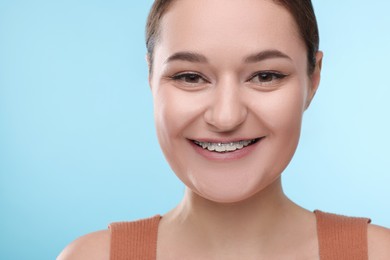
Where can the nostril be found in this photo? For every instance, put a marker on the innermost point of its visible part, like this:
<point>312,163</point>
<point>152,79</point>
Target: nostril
<point>225,120</point>
<point>226,117</point>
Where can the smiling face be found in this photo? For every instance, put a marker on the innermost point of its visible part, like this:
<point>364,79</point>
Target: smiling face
<point>230,86</point>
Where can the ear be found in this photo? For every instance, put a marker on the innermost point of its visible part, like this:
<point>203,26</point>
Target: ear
<point>148,61</point>
<point>315,78</point>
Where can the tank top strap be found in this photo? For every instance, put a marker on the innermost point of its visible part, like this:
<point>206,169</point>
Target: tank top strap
<point>341,237</point>
<point>134,240</point>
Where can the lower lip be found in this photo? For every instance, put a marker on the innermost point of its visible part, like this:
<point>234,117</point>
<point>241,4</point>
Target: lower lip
<point>227,156</point>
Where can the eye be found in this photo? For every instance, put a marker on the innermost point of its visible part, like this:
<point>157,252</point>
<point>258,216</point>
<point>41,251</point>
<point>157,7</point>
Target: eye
<point>189,78</point>
<point>266,77</point>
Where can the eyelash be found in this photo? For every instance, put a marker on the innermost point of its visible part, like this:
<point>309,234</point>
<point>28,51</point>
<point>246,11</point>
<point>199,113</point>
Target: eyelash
<point>186,75</point>
<point>275,76</point>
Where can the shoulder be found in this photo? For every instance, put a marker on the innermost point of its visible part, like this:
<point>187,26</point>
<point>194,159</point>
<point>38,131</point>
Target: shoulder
<point>91,246</point>
<point>378,242</point>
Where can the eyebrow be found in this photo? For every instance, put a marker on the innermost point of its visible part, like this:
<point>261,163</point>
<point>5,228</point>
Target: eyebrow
<point>199,58</point>
<point>187,56</point>
<point>267,54</point>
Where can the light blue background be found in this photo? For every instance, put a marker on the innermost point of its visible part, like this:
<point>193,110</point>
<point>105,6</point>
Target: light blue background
<point>77,142</point>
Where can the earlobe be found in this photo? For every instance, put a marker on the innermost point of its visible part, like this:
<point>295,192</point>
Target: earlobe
<point>315,78</point>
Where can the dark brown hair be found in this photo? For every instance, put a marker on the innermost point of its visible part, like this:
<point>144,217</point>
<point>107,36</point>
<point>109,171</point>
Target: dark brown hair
<point>301,10</point>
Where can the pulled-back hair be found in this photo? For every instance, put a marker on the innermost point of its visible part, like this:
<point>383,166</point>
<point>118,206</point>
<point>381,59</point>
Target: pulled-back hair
<point>301,10</point>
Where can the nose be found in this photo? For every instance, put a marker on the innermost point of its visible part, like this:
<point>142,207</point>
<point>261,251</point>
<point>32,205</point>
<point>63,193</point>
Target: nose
<point>226,110</point>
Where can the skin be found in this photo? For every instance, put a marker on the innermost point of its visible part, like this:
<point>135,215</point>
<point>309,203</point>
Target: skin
<point>227,103</point>
<point>226,198</point>
<point>234,206</point>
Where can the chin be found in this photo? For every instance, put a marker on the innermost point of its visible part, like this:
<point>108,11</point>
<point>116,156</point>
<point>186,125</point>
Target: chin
<point>226,196</point>
<point>227,191</point>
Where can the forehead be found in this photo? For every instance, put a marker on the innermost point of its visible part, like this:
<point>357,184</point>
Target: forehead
<point>234,26</point>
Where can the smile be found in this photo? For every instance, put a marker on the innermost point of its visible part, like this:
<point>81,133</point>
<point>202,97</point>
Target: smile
<point>225,147</point>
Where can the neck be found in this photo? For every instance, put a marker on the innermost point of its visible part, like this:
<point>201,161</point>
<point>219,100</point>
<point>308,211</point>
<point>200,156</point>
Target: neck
<point>261,208</point>
<point>264,217</point>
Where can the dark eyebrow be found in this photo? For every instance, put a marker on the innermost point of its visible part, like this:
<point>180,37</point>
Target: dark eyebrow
<point>199,58</point>
<point>263,55</point>
<point>187,56</point>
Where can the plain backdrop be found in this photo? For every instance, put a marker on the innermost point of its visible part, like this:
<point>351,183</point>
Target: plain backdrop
<point>77,142</point>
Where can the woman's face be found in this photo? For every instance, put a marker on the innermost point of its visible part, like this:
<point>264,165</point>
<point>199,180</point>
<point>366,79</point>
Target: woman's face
<point>230,86</point>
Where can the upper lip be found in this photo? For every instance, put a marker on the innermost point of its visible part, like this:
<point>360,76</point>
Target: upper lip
<point>223,140</point>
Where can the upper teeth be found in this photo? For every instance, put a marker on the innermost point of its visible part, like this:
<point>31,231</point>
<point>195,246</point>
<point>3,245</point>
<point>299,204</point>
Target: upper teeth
<point>224,147</point>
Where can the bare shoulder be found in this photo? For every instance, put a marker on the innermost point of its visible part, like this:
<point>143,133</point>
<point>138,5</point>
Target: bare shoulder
<point>95,246</point>
<point>378,242</point>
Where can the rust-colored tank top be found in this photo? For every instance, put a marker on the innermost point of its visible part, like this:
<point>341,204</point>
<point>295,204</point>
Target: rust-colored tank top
<point>339,237</point>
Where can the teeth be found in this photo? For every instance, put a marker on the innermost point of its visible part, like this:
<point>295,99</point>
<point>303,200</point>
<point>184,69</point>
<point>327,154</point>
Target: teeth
<point>225,147</point>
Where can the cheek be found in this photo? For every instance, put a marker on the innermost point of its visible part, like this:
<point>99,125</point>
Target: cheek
<point>176,113</point>
<point>287,123</point>
<point>281,111</point>
<point>288,113</point>
<point>174,110</point>
<point>165,119</point>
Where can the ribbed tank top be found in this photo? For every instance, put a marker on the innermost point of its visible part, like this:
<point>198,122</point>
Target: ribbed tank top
<point>339,237</point>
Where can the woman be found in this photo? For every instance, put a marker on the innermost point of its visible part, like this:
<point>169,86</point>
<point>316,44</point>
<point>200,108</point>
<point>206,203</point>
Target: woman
<point>231,81</point>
